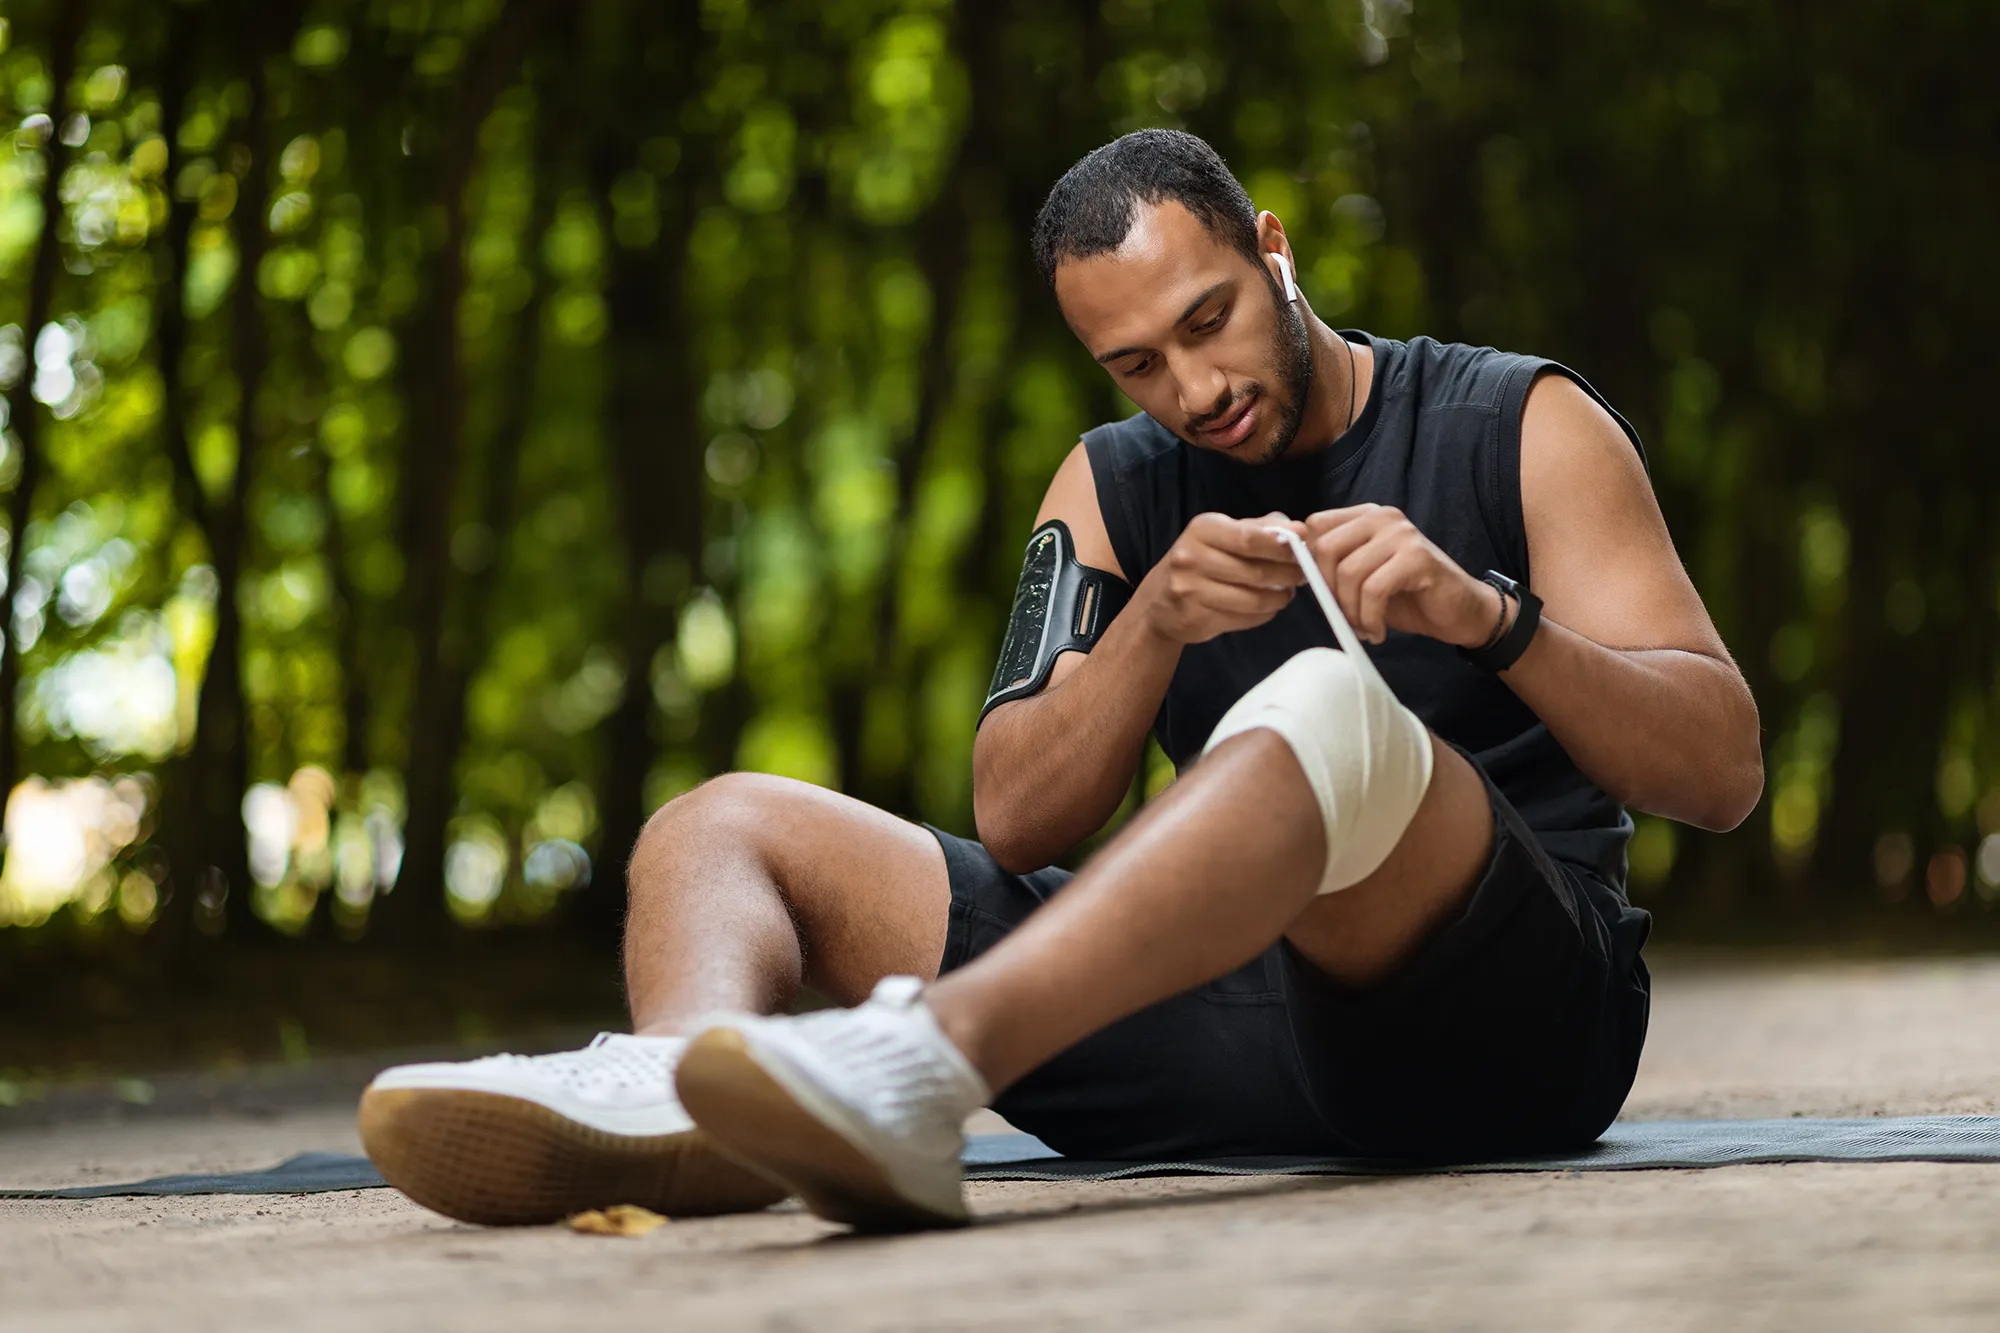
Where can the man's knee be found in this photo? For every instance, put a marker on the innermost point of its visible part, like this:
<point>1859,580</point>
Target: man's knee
<point>735,810</point>
<point>1366,757</point>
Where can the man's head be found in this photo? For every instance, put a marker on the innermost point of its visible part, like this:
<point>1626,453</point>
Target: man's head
<point>1170,277</point>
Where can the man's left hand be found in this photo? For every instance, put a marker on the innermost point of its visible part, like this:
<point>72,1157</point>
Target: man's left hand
<point>1387,575</point>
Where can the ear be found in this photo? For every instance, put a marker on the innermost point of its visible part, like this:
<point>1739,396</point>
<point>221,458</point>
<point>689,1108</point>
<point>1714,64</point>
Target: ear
<point>1271,239</point>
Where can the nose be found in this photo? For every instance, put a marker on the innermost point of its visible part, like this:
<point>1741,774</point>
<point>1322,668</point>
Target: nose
<point>1201,386</point>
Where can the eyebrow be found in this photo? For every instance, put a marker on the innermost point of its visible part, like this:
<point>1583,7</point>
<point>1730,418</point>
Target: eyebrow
<point>1186,315</point>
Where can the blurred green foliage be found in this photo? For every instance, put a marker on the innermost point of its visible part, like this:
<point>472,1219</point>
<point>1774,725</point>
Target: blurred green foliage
<point>439,431</point>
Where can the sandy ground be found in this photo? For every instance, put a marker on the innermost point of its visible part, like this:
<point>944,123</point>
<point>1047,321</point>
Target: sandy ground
<point>1861,1246</point>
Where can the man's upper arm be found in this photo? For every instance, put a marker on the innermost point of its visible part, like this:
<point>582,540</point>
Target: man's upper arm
<point>1599,553</point>
<point>1072,497</point>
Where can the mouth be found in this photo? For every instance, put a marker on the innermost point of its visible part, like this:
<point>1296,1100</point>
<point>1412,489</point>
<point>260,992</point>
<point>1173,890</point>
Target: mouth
<point>1235,428</point>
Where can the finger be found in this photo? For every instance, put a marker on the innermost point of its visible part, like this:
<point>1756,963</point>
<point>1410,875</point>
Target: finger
<point>1249,615</point>
<point>1326,520</point>
<point>1230,566</point>
<point>1334,545</point>
<point>1193,562</point>
<point>1283,573</point>
<point>1247,539</point>
<point>1400,573</point>
<point>1252,539</point>
<point>1230,600</point>
<point>1275,519</point>
<point>1227,567</point>
<point>1355,569</point>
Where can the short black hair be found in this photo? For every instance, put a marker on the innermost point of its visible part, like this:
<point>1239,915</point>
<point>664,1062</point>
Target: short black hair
<point>1090,210</point>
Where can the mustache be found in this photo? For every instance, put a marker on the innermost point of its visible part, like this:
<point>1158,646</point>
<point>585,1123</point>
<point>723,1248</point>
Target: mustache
<point>1223,409</point>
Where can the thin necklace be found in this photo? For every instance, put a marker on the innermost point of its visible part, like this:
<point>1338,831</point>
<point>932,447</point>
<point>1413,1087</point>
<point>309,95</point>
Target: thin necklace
<point>1350,386</point>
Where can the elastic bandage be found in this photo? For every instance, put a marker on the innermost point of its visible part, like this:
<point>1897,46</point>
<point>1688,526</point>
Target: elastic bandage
<point>1366,756</point>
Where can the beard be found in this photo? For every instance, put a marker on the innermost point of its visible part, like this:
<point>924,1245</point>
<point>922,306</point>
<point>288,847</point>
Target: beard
<point>1293,354</point>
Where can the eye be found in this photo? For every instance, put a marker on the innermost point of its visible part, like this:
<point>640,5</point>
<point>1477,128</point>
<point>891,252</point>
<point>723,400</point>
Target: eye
<point>1137,369</point>
<point>1213,322</point>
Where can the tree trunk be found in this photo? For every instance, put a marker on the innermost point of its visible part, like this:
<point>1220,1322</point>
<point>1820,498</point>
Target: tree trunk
<point>660,494</point>
<point>414,914</point>
<point>943,253</point>
<point>653,430</point>
<point>24,413</point>
<point>186,777</point>
<point>982,190</point>
<point>221,727</point>
<point>497,506</point>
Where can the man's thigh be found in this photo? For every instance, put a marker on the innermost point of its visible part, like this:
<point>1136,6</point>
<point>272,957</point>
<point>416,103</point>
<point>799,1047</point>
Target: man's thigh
<point>867,891</point>
<point>1514,1024</point>
<point>1513,1027</point>
<point>1364,933</point>
<point>1210,1072</point>
<point>1470,996</point>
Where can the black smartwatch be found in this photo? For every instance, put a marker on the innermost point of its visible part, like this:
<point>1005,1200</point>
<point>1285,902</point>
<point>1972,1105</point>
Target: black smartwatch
<point>1505,649</point>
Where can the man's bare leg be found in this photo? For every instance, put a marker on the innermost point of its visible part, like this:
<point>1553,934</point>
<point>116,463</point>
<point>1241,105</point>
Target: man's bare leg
<point>859,1111</point>
<point>738,890</point>
<point>1205,879</point>
<point>747,886</point>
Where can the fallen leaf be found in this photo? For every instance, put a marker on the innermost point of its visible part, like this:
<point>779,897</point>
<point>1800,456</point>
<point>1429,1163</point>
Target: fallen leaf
<point>621,1219</point>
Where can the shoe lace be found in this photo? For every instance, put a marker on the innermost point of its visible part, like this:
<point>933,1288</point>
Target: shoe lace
<point>612,1062</point>
<point>893,1072</point>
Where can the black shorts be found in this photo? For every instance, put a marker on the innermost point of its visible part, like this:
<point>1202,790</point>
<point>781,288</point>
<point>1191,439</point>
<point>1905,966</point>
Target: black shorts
<point>1515,1029</point>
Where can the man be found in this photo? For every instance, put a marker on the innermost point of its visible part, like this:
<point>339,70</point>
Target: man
<point>1381,911</point>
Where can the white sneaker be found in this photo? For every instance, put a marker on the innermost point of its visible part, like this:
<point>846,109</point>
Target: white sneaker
<point>524,1139</point>
<point>860,1111</point>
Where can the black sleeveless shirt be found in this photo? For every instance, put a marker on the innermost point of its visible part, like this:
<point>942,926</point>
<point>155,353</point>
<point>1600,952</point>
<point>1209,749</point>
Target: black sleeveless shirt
<point>1440,439</point>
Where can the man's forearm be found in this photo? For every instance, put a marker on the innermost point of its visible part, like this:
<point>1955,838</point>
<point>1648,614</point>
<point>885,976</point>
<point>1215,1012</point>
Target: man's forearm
<point>1663,730</point>
<point>1048,770</point>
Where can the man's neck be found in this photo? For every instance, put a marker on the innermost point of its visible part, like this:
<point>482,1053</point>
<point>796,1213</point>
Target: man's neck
<point>1335,400</point>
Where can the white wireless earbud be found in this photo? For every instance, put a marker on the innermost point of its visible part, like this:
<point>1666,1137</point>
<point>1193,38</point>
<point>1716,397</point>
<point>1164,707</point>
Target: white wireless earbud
<point>1291,284</point>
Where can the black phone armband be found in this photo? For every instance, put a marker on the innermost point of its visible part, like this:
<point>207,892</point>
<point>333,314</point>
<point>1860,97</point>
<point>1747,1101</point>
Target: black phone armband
<point>1060,606</point>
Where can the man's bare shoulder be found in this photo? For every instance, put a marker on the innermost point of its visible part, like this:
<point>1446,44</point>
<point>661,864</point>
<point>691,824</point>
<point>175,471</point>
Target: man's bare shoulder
<point>1601,556</point>
<point>1563,424</point>
<point>1072,497</point>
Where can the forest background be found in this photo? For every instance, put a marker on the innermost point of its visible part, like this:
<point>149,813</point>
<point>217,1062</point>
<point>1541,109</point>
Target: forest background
<point>439,431</point>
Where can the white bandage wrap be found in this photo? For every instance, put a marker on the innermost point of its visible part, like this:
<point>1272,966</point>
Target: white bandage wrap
<point>1366,756</point>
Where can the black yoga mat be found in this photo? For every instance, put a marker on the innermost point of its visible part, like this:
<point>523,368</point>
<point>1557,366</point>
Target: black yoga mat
<point>1636,1146</point>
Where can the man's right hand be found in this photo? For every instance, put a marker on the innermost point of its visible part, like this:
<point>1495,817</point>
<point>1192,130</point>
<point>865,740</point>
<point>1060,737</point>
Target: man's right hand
<point>1221,574</point>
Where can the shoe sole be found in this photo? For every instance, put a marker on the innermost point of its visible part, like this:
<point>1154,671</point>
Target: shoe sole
<point>752,1116</point>
<point>501,1161</point>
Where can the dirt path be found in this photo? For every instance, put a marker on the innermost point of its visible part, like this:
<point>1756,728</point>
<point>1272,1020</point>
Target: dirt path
<point>1866,1246</point>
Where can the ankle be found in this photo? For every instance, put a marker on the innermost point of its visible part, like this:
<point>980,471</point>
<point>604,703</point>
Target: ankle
<point>654,1026</point>
<point>677,1012</point>
<point>963,1026</point>
<point>672,1036</point>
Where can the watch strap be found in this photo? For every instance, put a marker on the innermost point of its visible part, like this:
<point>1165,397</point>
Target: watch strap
<point>1503,653</point>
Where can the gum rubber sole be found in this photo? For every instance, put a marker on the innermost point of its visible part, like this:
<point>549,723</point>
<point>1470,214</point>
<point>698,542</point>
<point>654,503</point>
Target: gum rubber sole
<point>753,1117</point>
<point>502,1161</point>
